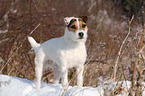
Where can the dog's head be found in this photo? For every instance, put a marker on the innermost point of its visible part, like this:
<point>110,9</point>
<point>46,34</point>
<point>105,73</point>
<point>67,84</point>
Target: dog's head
<point>76,28</point>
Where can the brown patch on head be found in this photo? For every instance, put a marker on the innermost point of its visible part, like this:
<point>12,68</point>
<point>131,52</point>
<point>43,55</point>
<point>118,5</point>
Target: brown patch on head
<point>73,26</point>
<point>82,24</point>
<point>84,18</point>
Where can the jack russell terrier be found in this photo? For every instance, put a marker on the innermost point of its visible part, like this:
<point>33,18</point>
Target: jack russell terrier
<point>65,52</point>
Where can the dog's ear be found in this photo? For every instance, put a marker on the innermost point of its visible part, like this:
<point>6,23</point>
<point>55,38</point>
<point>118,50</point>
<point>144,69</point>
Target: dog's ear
<point>67,20</point>
<point>85,18</point>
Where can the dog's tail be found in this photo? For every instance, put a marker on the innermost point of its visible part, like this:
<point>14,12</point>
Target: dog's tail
<point>33,43</point>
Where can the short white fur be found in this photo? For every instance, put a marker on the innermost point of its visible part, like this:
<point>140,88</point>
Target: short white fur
<point>65,52</point>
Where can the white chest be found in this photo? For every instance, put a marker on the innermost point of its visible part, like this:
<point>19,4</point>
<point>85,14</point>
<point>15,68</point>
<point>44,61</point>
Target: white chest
<point>74,57</point>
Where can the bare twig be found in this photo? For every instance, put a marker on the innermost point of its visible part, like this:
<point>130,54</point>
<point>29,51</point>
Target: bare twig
<point>140,46</point>
<point>8,60</point>
<point>34,29</point>
<point>142,71</point>
<point>137,58</point>
<point>119,53</point>
<point>120,50</point>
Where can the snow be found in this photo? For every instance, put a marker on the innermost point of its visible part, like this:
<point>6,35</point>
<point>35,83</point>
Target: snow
<point>13,11</point>
<point>84,91</point>
<point>14,86</point>
<point>3,31</point>
<point>1,41</point>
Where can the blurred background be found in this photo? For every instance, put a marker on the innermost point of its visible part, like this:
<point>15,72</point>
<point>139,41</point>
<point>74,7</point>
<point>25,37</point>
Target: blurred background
<point>108,25</point>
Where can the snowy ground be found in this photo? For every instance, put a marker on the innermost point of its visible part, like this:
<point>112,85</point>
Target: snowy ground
<point>13,86</point>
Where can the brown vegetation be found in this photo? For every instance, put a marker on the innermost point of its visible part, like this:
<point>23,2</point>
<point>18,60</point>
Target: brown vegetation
<point>107,29</point>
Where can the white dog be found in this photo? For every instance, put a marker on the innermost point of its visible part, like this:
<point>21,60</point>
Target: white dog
<point>66,52</point>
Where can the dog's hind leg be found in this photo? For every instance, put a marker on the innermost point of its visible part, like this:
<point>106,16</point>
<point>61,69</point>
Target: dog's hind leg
<point>39,59</point>
<point>57,74</point>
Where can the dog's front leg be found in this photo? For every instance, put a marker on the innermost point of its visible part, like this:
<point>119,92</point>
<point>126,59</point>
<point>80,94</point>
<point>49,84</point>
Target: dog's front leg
<point>64,74</point>
<point>79,71</point>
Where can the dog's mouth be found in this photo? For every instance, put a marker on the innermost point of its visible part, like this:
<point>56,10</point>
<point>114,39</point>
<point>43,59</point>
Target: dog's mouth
<point>81,38</point>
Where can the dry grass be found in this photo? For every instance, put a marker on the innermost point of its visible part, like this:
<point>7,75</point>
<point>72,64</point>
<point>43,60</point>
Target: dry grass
<point>106,32</point>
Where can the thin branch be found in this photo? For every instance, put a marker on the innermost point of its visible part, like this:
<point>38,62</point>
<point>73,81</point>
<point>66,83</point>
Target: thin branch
<point>34,29</point>
<point>119,53</point>
<point>120,50</point>
<point>140,46</point>
<point>137,58</point>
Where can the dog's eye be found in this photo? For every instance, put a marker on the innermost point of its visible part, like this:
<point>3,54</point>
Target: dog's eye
<point>83,26</point>
<point>73,27</point>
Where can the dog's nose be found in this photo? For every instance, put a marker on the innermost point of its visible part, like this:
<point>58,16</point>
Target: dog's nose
<point>81,34</point>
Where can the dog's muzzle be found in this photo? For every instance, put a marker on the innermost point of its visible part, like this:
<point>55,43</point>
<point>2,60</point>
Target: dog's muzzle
<point>81,34</point>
